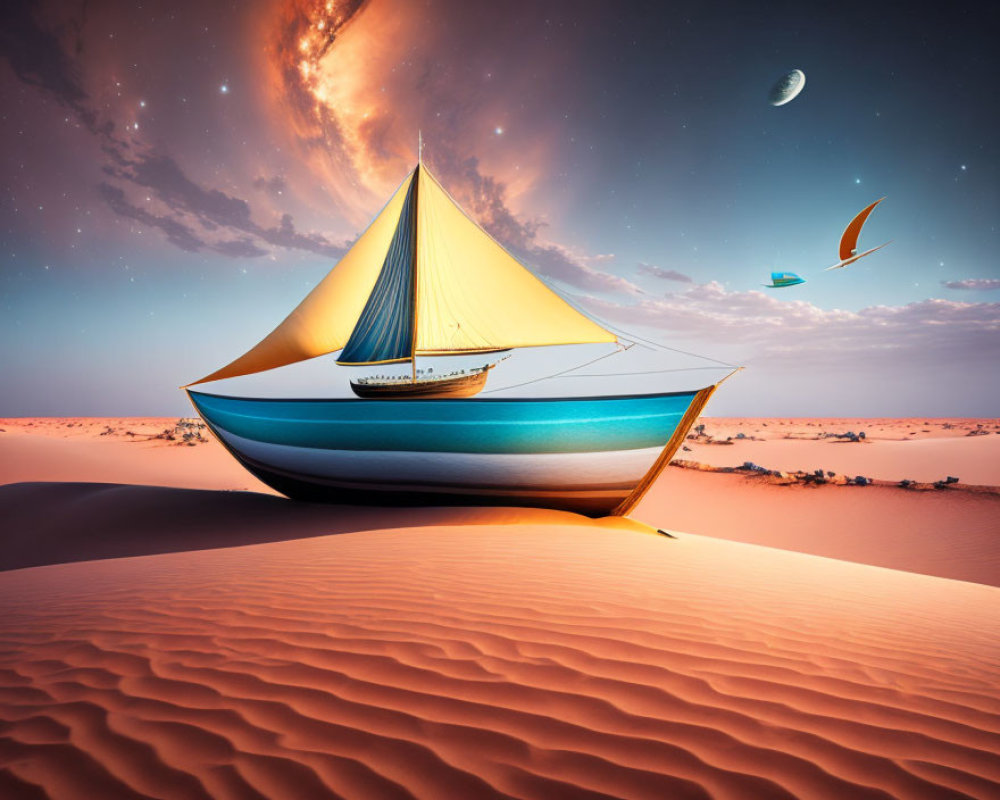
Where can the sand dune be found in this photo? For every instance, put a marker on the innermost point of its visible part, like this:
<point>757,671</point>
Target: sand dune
<point>943,533</point>
<point>951,534</point>
<point>976,459</point>
<point>56,453</point>
<point>57,523</point>
<point>224,644</point>
<point>479,661</point>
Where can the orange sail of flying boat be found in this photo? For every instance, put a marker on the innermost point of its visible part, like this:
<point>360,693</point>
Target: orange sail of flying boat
<point>849,241</point>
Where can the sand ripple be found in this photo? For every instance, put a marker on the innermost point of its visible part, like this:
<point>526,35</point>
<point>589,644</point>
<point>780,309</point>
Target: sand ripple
<point>496,661</point>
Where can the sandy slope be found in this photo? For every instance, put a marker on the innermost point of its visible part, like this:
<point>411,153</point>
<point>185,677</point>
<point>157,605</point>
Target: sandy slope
<point>522,661</point>
<point>952,534</point>
<point>49,451</point>
<point>975,460</point>
<point>946,533</point>
<point>479,653</point>
<point>918,449</point>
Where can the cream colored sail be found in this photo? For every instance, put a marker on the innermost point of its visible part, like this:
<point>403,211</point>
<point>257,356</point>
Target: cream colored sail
<point>471,294</point>
<point>323,321</point>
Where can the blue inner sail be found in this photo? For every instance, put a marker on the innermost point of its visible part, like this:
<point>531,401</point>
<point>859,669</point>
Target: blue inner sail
<point>384,331</point>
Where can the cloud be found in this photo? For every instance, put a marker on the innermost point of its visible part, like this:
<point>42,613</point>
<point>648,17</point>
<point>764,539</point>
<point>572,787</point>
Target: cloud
<point>165,177</point>
<point>665,274</point>
<point>273,186</point>
<point>178,234</point>
<point>762,327</point>
<point>558,262</point>
<point>212,209</point>
<point>974,284</point>
<point>38,58</point>
<point>239,248</point>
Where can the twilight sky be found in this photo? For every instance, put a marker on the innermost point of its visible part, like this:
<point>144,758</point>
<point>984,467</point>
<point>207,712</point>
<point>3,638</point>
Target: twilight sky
<point>175,176</point>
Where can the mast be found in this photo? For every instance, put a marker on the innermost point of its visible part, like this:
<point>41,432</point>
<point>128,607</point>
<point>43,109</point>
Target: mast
<point>416,227</point>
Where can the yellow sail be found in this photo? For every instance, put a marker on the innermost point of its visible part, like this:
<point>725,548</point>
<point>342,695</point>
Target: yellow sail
<point>467,294</point>
<point>323,321</point>
<point>471,294</point>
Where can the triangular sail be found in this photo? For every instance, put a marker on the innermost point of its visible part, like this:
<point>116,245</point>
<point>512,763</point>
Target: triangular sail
<point>323,321</point>
<point>424,279</point>
<point>472,295</point>
<point>849,241</point>
<point>384,331</point>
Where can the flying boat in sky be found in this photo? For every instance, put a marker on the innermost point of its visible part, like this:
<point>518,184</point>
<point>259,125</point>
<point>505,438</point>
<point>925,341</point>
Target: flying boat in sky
<point>849,241</point>
<point>781,280</point>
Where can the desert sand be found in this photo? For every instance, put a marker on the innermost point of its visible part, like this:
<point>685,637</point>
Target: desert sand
<point>920,450</point>
<point>228,643</point>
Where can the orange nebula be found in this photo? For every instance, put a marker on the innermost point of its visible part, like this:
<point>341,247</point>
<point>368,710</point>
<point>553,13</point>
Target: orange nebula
<point>351,83</point>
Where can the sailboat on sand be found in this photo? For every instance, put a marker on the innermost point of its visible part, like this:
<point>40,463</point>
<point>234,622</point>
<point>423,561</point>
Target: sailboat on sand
<point>426,282</point>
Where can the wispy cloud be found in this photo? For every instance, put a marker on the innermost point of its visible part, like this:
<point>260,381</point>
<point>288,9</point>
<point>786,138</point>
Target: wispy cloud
<point>275,185</point>
<point>665,274</point>
<point>234,232</point>
<point>973,284</point>
<point>760,326</point>
<point>556,261</point>
<point>38,58</point>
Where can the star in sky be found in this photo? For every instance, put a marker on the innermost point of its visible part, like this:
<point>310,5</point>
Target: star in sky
<point>224,89</point>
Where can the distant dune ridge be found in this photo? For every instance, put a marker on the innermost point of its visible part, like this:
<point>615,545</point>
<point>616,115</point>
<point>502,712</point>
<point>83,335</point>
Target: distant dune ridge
<point>475,653</point>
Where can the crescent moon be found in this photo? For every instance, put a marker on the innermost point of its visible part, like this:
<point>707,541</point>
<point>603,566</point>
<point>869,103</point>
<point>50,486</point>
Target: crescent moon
<point>790,94</point>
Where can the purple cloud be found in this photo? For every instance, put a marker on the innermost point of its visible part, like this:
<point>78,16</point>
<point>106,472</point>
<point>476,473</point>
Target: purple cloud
<point>974,284</point>
<point>762,326</point>
<point>38,58</point>
<point>272,186</point>
<point>665,274</point>
<point>177,233</point>
<point>212,209</point>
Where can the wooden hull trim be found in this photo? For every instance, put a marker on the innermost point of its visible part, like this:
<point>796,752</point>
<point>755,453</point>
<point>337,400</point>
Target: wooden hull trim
<point>673,445</point>
<point>458,386</point>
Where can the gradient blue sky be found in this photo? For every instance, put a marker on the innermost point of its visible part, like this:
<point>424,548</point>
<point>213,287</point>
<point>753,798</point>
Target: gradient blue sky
<point>175,178</point>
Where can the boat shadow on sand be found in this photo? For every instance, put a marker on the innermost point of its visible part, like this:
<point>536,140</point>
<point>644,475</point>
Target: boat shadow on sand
<point>56,523</point>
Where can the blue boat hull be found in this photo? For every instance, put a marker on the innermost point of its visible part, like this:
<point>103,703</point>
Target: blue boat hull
<point>588,455</point>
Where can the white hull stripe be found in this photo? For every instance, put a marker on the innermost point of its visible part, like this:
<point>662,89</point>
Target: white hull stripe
<point>545,471</point>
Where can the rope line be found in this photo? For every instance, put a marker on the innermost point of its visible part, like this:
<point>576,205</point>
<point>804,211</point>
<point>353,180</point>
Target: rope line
<point>558,374</point>
<point>646,372</point>
<point>631,336</point>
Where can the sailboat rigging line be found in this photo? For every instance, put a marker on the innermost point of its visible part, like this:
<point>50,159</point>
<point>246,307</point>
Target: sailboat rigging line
<point>556,375</point>
<point>631,336</point>
<point>646,372</point>
<point>657,345</point>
